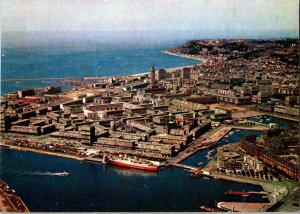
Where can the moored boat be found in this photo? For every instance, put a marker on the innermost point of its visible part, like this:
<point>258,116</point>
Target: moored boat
<point>237,193</point>
<point>130,162</point>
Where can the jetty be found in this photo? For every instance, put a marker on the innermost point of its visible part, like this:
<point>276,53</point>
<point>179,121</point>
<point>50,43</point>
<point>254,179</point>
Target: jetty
<point>206,141</point>
<point>9,201</point>
<point>94,160</point>
<point>243,193</point>
<point>243,206</point>
<point>183,166</point>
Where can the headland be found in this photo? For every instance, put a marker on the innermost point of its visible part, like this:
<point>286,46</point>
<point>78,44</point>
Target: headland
<point>167,115</point>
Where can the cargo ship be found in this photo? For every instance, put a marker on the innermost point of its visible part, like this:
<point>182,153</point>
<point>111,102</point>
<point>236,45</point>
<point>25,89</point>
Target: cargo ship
<point>132,162</point>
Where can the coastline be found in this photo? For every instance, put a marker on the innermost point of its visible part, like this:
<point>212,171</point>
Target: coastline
<point>283,117</point>
<point>41,152</point>
<point>267,186</point>
<point>201,59</point>
<point>142,73</point>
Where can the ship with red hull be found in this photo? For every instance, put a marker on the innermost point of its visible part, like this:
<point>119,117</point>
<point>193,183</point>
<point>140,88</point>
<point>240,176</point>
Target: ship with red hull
<point>237,193</point>
<point>130,162</point>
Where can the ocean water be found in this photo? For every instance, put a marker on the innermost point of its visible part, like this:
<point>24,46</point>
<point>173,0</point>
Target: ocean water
<point>92,187</point>
<point>233,136</point>
<point>81,59</point>
<point>266,119</point>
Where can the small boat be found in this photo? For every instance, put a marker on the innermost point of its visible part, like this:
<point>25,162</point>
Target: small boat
<point>211,151</point>
<point>208,157</point>
<point>63,174</point>
<point>200,163</point>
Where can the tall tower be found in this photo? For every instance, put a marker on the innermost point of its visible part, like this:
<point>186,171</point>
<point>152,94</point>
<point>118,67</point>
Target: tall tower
<point>152,76</point>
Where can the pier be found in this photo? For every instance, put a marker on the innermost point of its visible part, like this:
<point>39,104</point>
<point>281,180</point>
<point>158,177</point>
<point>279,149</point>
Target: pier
<point>94,160</point>
<point>257,127</point>
<point>243,206</point>
<point>9,201</point>
<point>242,193</point>
<point>206,141</point>
<point>184,166</point>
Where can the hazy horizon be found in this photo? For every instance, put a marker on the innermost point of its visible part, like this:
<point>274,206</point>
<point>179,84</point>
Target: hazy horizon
<point>27,39</point>
<point>148,21</point>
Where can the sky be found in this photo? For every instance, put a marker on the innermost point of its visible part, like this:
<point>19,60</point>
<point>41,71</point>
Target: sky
<point>206,17</point>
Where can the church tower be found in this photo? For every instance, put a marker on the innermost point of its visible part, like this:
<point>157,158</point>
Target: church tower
<point>152,76</point>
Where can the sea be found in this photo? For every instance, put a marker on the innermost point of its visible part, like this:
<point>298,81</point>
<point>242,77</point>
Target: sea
<point>61,60</point>
<point>95,187</point>
<point>104,188</point>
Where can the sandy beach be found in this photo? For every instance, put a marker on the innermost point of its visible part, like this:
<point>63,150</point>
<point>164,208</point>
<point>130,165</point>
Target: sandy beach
<point>203,60</point>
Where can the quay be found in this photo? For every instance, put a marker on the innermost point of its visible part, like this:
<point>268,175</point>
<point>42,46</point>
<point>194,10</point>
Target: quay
<point>183,166</point>
<point>285,117</point>
<point>246,114</point>
<point>275,191</point>
<point>243,206</point>
<point>9,201</point>
<point>94,160</point>
<point>39,151</point>
<point>257,127</point>
<point>242,193</point>
<point>206,141</point>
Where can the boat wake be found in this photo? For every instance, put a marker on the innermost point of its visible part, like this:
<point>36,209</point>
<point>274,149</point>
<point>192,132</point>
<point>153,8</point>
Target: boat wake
<point>50,173</point>
<point>17,175</point>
